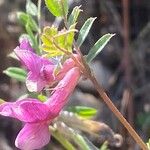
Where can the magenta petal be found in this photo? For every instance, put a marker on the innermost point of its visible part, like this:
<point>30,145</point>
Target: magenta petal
<point>6,109</point>
<point>29,60</point>
<point>25,45</point>
<point>68,64</point>
<point>32,61</point>
<point>40,70</point>
<point>27,110</point>
<point>47,73</point>
<point>63,90</point>
<point>34,82</point>
<point>33,136</point>
<point>33,111</point>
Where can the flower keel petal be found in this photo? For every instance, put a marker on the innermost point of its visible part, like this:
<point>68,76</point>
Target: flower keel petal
<point>33,136</point>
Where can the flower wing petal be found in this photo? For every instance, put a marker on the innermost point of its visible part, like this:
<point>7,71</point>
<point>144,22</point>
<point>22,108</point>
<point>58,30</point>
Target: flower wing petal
<point>35,83</point>
<point>27,110</point>
<point>33,136</point>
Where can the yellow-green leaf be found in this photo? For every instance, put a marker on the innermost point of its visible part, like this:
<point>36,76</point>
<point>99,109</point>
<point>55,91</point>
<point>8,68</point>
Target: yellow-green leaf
<point>74,15</point>
<point>53,40</point>
<point>58,8</point>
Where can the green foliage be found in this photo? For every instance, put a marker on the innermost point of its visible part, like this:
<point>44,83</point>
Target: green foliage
<point>142,118</point>
<point>59,137</point>
<point>42,97</point>
<point>83,111</point>
<point>31,8</point>
<point>98,46</point>
<point>2,101</point>
<point>74,15</point>
<point>58,8</point>
<point>148,144</point>
<point>32,37</point>
<point>16,73</point>
<point>53,40</point>
<point>104,146</point>
<point>25,19</point>
<point>84,31</point>
<point>31,28</point>
<point>54,43</point>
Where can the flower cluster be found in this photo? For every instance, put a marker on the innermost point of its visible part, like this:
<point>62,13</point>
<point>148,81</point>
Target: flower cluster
<point>36,115</point>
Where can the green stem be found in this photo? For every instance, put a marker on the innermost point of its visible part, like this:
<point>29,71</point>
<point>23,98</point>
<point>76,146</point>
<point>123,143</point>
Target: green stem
<point>65,143</point>
<point>39,22</point>
<point>64,15</point>
<point>81,142</point>
<point>71,134</point>
<point>39,14</point>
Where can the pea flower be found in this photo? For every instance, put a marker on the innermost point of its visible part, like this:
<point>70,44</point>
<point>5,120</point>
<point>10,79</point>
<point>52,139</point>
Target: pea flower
<point>37,116</point>
<point>41,70</point>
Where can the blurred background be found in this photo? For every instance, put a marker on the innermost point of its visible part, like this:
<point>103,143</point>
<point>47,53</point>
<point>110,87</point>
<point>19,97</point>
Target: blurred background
<point>123,67</point>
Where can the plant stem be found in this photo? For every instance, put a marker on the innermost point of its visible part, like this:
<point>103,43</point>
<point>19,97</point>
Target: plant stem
<point>39,22</point>
<point>81,142</point>
<point>113,108</point>
<point>66,144</point>
<point>105,98</point>
<point>39,14</point>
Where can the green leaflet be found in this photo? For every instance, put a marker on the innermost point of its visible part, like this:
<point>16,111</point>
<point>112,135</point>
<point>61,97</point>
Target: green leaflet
<point>104,146</point>
<point>84,31</point>
<point>98,46</point>
<point>58,8</point>
<point>52,37</point>
<point>83,111</point>
<point>31,8</point>
<point>16,73</point>
<point>25,18</point>
<point>74,15</point>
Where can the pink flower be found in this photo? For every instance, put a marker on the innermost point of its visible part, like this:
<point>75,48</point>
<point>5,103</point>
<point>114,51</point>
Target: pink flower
<point>41,70</point>
<point>37,115</point>
<point>68,64</point>
<point>25,45</point>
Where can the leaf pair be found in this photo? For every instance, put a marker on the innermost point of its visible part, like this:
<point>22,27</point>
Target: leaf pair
<point>98,46</point>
